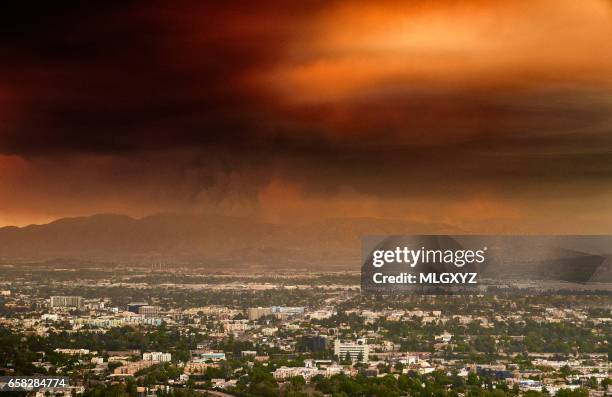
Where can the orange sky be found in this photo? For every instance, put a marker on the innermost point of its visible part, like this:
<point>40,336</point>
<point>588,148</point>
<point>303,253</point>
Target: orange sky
<point>487,115</point>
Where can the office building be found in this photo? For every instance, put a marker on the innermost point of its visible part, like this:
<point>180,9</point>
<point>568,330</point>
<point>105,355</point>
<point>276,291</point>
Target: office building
<point>149,311</point>
<point>67,301</point>
<point>288,311</point>
<point>157,357</point>
<point>356,350</point>
<point>255,313</point>
<point>134,306</point>
<point>315,343</point>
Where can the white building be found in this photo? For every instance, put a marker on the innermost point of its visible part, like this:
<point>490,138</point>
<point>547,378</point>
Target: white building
<point>288,311</point>
<point>409,360</point>
<point>358,349</point>
<point>157,357</point>
<point>309,370</point>
<point>445,337</point>
<point>72,352</point>
<point>289,372</point>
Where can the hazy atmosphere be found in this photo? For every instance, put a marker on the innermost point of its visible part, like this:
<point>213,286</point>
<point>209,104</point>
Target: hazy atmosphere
<point>486,116</point>
<point>316,198</point>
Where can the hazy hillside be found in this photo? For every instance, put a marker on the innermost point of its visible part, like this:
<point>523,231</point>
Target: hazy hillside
<point>202,239</point>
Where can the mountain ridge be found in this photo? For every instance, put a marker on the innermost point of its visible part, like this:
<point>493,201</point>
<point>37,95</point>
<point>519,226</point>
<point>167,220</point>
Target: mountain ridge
<point>202,238</point>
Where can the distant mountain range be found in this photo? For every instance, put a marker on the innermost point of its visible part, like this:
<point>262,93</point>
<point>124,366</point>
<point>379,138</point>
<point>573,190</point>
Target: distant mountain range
<point>216,241</point>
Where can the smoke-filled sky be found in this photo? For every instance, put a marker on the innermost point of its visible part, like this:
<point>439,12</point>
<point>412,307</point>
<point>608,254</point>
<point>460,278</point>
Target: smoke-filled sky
<point>493,116</point>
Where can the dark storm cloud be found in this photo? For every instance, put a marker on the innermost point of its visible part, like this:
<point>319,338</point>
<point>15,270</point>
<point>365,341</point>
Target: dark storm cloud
<point>129,76</point>
<point>315,107</point>
<point>132,75</point>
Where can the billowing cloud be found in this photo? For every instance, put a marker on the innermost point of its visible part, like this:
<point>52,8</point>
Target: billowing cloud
<point>474,113</point>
